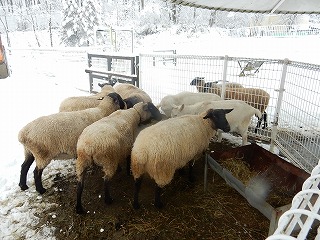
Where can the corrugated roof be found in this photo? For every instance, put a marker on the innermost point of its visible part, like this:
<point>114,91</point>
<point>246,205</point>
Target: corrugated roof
<point>257,6</point>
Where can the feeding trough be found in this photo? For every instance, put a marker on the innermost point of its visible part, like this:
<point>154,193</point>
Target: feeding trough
<point>271,181</point>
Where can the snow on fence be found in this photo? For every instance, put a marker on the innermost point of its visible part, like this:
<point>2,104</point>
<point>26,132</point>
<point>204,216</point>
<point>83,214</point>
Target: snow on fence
<point>293,111</point>
<point>274,31</point>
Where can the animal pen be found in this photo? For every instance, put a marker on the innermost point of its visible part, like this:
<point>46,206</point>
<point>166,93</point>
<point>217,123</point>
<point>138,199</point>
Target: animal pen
<point>293,112</point>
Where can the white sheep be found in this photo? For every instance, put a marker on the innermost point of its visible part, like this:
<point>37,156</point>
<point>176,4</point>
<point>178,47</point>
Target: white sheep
<point>132,94</point>
<point>239,119</point>
<point>255,97</point>
<point>161,149</point>
<point>108,142</point>
<point>55,136</point>
<point>188,98</point>
<point>203,86</point>
<point>83,102</point>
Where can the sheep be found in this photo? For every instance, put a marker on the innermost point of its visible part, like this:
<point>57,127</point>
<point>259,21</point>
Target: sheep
<point>84,102</point>
<point>239,119</point>
<point>188,98</point>
<point>55,136</point>
<point>255,97</point>
<point>161,149</point>
<point>129,91</point>
<point>108,142</point>
<point>203,86</point>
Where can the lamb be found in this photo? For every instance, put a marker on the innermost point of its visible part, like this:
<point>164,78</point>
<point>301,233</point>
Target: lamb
<point>132,93</point>
<point>161,149</point>
<point>185,97</point>
<point>84,102</point>
<point>108,142</point>
<point>239,119</point>
<point>55,136</point>
<point>203,86</point>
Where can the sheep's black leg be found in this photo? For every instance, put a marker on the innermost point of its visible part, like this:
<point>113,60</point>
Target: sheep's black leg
<point>107,197</point>
<point>157,197</point>
<point>128,166</point>
<point>79,208</point>
<point>37,180</point>
<point>191,176</point>
<point>137,187</point>
<point>265,124</point>
<point>29,159</point>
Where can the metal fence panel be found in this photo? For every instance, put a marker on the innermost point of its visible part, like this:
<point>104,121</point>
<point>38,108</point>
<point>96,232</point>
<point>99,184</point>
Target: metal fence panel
<point>293,118</point>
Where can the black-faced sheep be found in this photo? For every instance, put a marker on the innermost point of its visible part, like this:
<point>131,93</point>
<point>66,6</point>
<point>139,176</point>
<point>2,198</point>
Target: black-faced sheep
<point>203,86</point>
<point>161,149</point>
<point>108,142</point>
<point>188,98</point>
<point>239,118</point>
<point>83,102</point>
<point>55,136</point>
<point>255,97</point>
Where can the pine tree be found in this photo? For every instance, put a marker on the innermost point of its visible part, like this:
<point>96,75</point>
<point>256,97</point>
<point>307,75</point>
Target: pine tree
<point>91,18</point>
<point>80,18</point>
<point>71,29</point>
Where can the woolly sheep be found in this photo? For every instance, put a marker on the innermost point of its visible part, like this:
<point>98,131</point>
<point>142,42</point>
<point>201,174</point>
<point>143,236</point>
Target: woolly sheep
<point>239,119</point>
<point>129,91</point>
<point>185,97</point>
<point>203,86</point>
<point>84,102</point>
<point>161,149</point>
<point>55,136</point>
<point>108,142</point>
<point>255,97</point>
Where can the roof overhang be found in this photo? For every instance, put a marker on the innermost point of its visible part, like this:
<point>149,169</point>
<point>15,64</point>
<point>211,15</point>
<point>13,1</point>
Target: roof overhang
<point>258,6</point>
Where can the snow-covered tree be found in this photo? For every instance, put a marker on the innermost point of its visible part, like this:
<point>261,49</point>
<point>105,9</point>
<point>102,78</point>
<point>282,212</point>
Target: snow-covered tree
<point>80,18</point>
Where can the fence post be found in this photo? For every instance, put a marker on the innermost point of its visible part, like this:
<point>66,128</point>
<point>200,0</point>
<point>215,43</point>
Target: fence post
<point>90,74</point>
<point>224,77</point>
<point>279,102</point>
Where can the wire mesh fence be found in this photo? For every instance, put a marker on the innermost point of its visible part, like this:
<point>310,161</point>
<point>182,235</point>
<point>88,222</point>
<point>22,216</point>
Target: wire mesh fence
<point>293,88</point>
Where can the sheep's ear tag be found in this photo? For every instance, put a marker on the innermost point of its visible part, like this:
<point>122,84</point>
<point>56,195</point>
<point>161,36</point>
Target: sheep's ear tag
<point>100,98</point>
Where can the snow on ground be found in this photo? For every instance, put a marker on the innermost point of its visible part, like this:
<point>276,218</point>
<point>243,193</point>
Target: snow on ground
<point>34,90</point>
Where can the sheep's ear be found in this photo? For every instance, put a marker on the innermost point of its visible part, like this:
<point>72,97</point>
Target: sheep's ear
<point>181,107</point>
<point>227,110</point>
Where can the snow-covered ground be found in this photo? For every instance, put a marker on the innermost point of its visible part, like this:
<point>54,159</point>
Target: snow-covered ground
<point>35,90</point>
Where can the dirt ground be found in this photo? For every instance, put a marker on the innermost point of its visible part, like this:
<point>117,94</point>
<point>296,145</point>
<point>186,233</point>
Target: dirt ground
<point>189,212</point>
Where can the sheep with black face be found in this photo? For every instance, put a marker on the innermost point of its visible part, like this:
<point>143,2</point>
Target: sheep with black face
<point>161,149</point>
<point>108,142</point>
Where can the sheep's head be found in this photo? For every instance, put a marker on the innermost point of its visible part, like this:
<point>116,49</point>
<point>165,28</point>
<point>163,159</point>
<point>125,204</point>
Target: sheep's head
<point>117,99</point>
<point>198,81</point>
<point>131,101</point>
<point>218,118</point>
<point>148,111</point>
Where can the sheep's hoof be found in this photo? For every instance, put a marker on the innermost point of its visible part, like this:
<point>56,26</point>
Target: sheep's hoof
<point>80,210</point>
<point>41,190</point>
<point>136,205</point>
<point>108,201</point>
<point>23,187</point>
